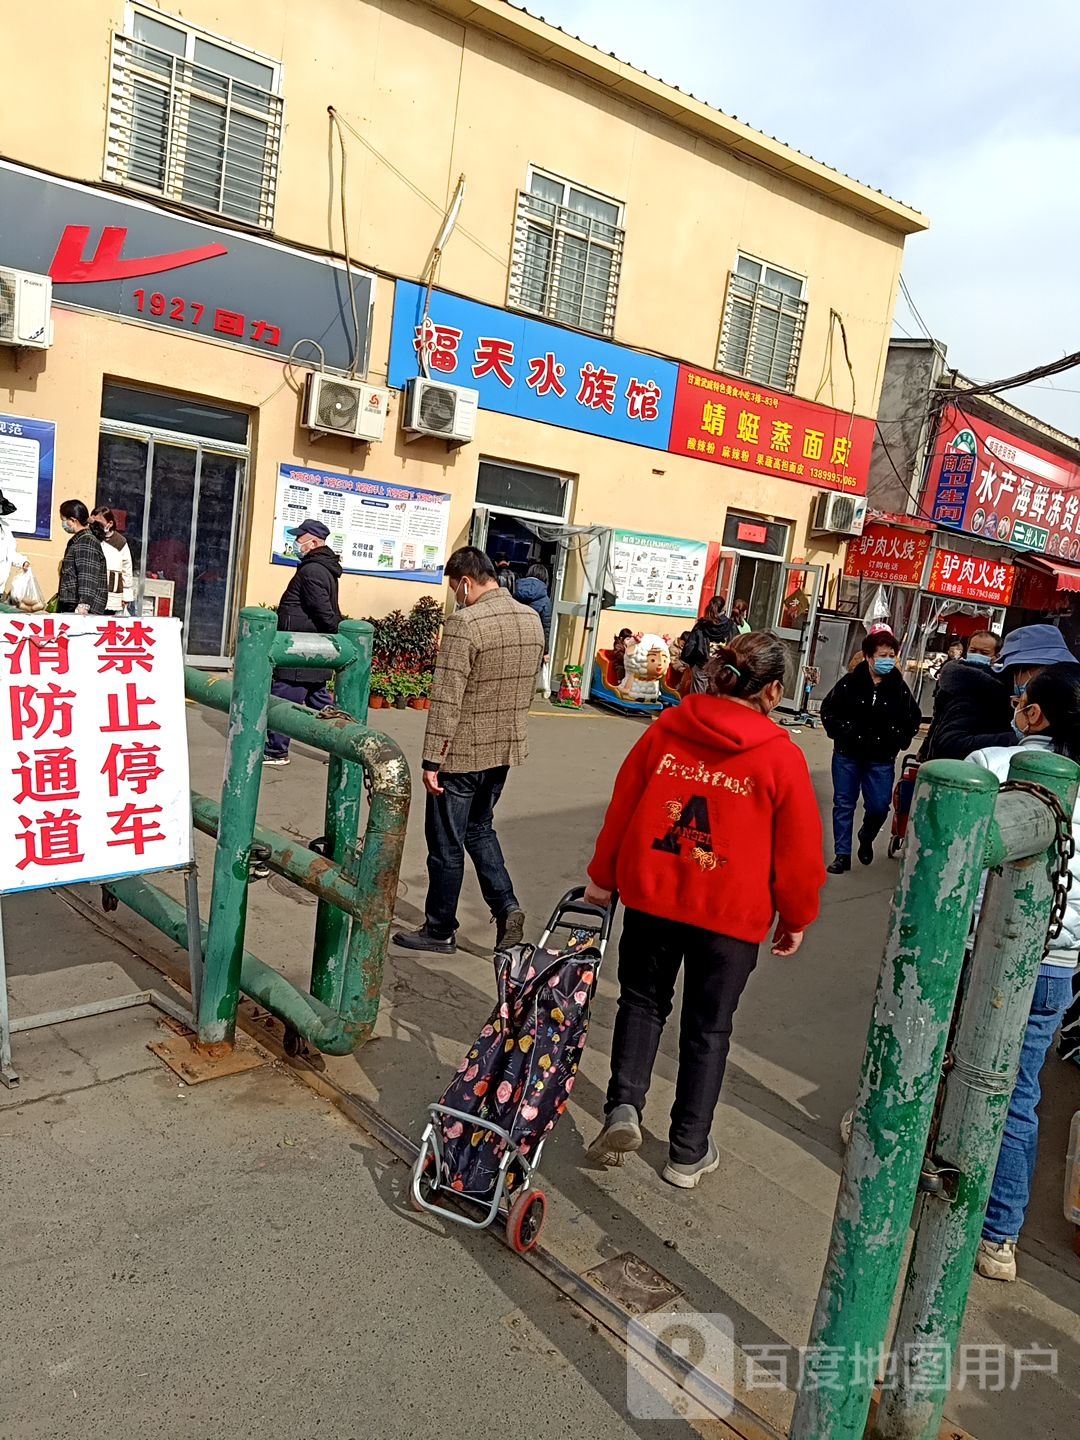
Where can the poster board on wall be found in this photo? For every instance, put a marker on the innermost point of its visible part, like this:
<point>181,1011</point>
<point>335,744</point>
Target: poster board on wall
<point>27,463</point>
<point>657,574</point>
<point>395,531</point>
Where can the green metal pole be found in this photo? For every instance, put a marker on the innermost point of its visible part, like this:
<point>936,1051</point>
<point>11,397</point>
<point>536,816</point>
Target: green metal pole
<point>1005,964</point>
<point>250,697</point>
<point>916,992</point>
<point>344,789</point>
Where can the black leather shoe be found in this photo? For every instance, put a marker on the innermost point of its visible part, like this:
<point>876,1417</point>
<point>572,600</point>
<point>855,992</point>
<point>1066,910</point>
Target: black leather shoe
<point>510,929</point>
<point>423,939</point>
<point>866,851</point>
<point>840,866</point>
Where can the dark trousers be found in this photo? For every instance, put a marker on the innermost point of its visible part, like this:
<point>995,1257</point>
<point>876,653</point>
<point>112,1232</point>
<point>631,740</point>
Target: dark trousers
<point>457,822</point>
<point>313,694</point>
<point>875,781</point>
<point>715,971</point>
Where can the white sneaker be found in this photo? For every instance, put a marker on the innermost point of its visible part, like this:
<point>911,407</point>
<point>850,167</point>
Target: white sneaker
<point>996,1261</point>
<point>686,1177</point>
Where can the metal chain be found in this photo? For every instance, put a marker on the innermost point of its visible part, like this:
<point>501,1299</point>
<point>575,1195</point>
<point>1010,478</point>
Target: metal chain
<point>1064,847</point>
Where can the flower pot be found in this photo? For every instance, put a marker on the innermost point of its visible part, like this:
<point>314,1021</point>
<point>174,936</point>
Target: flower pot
<point>400,702</point>
<point>417,702</point>
<point>377,702</point>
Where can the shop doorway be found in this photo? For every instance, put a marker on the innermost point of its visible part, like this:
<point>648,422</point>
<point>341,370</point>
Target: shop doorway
<point>177,494</point>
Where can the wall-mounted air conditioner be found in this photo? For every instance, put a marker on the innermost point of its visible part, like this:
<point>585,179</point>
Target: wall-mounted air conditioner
<point>25,309</point>
<point>838,514</point>
<point>446,411</point>
<point>334,406</point>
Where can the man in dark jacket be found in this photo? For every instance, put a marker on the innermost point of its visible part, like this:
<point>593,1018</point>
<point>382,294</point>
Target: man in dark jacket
<point>972,704</point>
<point>309,606</point>
<point>870,715</point>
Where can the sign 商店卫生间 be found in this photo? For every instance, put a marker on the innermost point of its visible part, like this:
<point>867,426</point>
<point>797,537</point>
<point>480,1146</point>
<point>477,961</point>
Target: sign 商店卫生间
<point>887,555</point>
<point>968,577</point>
<point>988,483</point>
<point>538,371</point>
<point>125,257</point>
<point>395,531</point>
<point>93,749</point>
<point>27,461</point>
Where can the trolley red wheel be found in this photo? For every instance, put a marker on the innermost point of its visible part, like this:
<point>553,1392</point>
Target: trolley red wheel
<point>427,1183</point>
<point>525,1220</point>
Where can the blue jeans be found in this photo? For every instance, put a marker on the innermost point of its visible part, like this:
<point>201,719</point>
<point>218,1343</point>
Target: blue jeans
<point>849,777</point>
<point>314,696</point>
<point>459,821</point>
<point>1011,1190</point>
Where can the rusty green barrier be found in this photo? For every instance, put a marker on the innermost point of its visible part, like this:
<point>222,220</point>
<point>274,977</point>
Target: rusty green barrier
<point>356,883</point>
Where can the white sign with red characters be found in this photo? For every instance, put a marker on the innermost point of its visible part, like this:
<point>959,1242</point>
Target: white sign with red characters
<point>93,749</point>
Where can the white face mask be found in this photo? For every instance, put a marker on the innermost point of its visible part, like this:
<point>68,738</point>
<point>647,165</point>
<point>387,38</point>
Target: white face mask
<point>461,594</point>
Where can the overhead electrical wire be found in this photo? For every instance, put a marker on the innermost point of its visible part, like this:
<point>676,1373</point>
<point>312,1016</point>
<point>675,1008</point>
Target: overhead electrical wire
<point>343,189</point>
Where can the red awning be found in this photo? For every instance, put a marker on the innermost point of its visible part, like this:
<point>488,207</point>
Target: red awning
<point>1066,577</point>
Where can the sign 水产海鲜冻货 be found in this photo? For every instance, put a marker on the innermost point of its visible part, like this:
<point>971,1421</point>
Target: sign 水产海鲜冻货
<point>93,749</point>
<point>376,528</point>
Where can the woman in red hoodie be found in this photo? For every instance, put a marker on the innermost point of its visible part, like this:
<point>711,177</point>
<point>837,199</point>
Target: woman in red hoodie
<point>713,829</point>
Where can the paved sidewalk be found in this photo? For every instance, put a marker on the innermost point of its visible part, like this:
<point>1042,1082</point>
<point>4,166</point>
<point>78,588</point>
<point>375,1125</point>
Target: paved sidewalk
<point>751,1241</point>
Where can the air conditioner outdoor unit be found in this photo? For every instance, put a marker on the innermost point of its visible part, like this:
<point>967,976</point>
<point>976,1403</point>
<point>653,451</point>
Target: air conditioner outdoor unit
<point>334,406</point>
<point>838,514</point>
<point>447,411</point>
<point>25,309</point>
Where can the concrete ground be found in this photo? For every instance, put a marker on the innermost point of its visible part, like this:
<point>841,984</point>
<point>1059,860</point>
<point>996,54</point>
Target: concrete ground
<point>749,1243</point>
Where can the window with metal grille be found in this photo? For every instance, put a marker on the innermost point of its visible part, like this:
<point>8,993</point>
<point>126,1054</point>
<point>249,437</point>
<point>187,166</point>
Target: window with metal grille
<point>567,254</point>
<point>763,324</point>
<point>194,120</point>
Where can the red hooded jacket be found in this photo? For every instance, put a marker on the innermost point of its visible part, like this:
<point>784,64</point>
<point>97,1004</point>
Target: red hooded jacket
<point>714,822</point>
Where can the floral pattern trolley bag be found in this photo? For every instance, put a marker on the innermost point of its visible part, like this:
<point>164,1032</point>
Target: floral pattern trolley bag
<point>486,1133</point>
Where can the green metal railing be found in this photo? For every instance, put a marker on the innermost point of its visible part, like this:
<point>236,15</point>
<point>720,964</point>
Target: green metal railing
<point>960,824</point>
<point>356,882</point>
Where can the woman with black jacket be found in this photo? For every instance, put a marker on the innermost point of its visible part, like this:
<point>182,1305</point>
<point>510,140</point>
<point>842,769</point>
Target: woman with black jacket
<point>713,630</point>
<point>84,575</point>
<point>870,715</point>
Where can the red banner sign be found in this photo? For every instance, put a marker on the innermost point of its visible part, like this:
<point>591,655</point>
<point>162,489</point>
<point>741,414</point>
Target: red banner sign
<point>887,555</point>
<point>733,422</point>
<point>966,577</point>
<point>989,483</point>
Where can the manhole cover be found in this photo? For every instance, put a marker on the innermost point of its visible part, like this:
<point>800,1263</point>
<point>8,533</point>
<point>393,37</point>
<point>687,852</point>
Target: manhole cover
<point>281,886</point>
<point>634,1283</point>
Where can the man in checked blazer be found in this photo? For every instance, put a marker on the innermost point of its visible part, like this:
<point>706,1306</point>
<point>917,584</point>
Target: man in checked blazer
<point>477,725</point>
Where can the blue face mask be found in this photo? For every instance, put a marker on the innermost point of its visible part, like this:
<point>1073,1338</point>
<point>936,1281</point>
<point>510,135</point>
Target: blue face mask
<point>885,664</point>
<point>979,660</point>
<point>1021,735</point>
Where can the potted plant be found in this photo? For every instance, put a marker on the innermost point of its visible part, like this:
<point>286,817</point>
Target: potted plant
<point>399,690</point>
<point>421,700</point>
<point>380,690</point>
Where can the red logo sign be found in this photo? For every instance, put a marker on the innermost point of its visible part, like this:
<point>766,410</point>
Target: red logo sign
<point>887,555</point>
<point>733,422</point>
<point>966,577</point>
<point>752,534</point>
<point>71,267</point>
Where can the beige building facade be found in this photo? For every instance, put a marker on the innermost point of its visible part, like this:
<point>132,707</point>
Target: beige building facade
<point>289,168</point>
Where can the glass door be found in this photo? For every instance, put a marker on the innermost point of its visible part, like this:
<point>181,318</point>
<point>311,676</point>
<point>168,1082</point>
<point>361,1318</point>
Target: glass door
<point>798,595</point>
<point>177,501</point>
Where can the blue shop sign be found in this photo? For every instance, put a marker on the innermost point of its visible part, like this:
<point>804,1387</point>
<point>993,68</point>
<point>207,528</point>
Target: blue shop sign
<point>533,370</point>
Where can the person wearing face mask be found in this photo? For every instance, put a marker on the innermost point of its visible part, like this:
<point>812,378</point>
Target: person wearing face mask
<point>972,704</point>
<point>309,606</point>
<point>1047,718</point>
<point>476,729</point>
<point>870,715</point>
<point>84,576</point>
<point>712,833</point>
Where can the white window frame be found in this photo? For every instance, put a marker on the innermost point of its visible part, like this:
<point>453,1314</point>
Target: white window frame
<point>525,217</point>
<point>723,364</point>
<point>120,122</point>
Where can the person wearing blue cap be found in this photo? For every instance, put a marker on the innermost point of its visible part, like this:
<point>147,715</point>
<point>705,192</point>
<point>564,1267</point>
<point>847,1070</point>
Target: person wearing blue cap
<point>309,606</point>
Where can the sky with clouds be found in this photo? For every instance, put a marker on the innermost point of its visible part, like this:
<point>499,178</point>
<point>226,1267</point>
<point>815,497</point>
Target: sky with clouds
<point>969,112</point>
